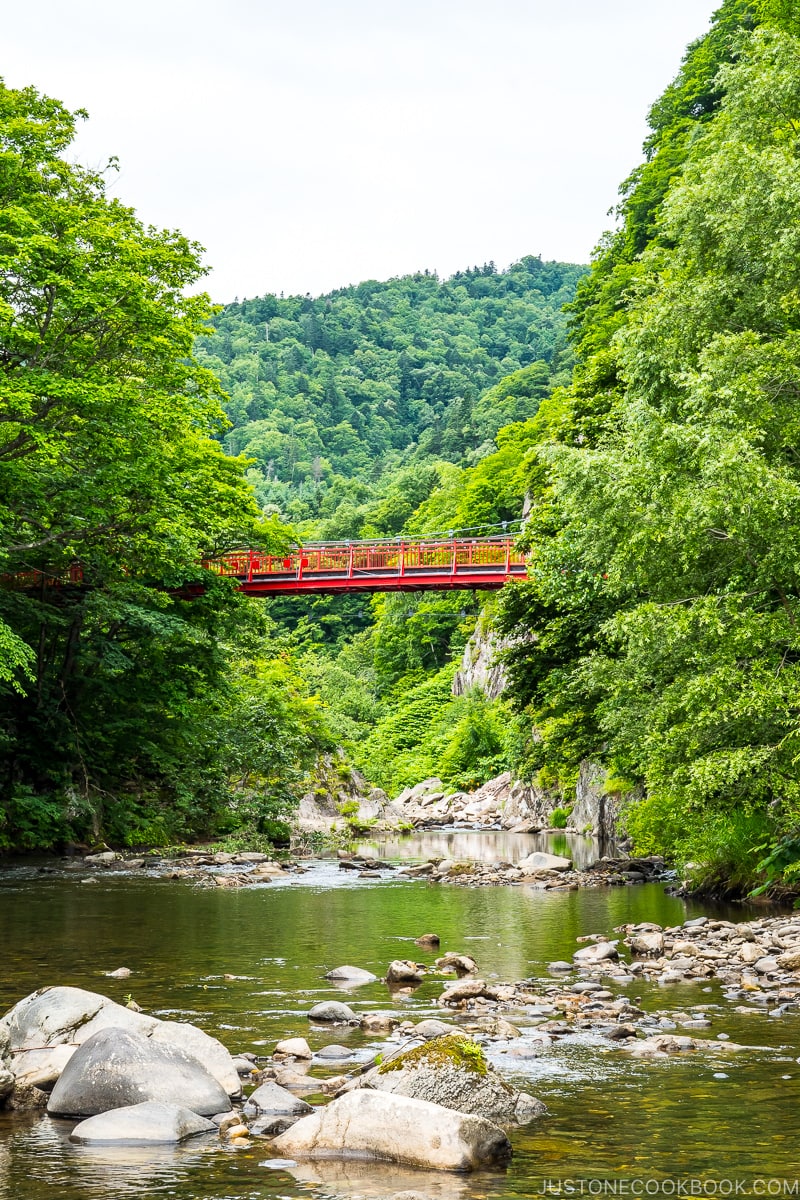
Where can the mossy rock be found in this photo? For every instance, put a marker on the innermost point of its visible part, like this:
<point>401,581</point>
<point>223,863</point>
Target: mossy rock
<point>452,1071</point>
<point>454,1049</point>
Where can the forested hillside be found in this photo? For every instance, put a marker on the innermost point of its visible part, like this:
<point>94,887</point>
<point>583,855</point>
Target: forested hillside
<point>331,396</point>
<point>405,406</point>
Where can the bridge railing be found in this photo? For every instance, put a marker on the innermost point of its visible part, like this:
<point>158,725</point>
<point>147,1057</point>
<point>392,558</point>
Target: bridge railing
<point>353,559</point>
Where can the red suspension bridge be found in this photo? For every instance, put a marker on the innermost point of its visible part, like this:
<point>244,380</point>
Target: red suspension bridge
<point>396,565</point>
<point>388,565</point>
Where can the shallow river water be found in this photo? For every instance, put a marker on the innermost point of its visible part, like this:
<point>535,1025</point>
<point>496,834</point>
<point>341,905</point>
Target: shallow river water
<point>615,1125</point>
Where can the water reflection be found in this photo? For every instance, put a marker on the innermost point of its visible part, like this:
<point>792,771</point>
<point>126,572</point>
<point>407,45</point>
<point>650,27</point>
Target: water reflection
<point>474,845</point>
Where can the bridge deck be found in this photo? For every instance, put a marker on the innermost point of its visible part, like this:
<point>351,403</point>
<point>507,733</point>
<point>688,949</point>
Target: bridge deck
<point>379,566</point>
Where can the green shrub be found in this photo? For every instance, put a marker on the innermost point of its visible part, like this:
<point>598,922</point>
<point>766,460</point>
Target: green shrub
<point>559,818</point>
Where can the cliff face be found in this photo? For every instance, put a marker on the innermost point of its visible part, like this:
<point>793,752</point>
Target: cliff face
<point>596,810</point>
<point>479,667</point>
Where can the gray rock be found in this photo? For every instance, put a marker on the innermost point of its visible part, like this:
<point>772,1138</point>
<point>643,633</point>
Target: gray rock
<point>334,1052</point>
<point>55,1015</point>
<point>452,1072</point>
<point>200,1045</point>
<point>116,1068</point>
<point>271,1109</point>
<point>404,971</point>
<point>467,989</point>
<point>296,1047</point>
<point>141,1123</point>
<point>649,943</point>
<point>462,964</point>
<point>271,1098</point>
<point>351,976</point>
<point>396,1129</point>
<point>539,861</point>
<point>431,1028</point>
<point>379,1022</point>
<point>597,953</point>
<point>331,1012</point>
<point>41,1068</point>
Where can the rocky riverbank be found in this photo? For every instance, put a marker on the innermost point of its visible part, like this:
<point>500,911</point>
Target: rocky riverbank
<point>430,1092</point>
<point>501,803</point>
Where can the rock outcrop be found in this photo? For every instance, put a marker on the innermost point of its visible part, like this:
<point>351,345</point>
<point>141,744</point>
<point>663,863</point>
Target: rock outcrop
<point>479,665</point>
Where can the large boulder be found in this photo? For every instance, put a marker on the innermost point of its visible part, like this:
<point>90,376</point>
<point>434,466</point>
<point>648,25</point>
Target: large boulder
<point>142,1123</point>
<point>116,1068</point>
<point>396,1129</point>
<point>452,1071</point>
<point>45,1028</point>
<point>212,1054</point>
<point>55,1016</point>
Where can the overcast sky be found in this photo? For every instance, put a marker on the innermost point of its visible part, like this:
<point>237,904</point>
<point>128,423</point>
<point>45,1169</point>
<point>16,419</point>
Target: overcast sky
<point>308,144</point>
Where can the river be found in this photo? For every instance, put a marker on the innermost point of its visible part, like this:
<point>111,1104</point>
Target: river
<point>612,1118</point>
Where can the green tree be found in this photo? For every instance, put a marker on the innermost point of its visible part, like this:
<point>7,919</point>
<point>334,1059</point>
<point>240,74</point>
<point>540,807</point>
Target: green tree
<point>109,460</point>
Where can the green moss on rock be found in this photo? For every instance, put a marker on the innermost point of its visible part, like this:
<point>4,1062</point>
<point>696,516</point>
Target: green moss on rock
<point>452,1049</point>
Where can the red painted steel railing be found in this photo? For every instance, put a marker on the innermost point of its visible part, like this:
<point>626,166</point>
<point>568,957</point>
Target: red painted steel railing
<point>389,565</point>
<point>396,565</point>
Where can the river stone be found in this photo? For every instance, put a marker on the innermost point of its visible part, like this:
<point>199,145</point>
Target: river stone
<point>138,1123</point>
<point>334,1051</point>
<point>41,1068</point>
<point>274,1108</point>
<point>790,960</point>
<point>766,965</point>
<point>599,952</point>
<point>45,1027</point>
<point>296,1047</point>
<point>54,1015</point>
<point>467,989</point>
<point>428,940</point>
<point>331,1012</point>
<point>404,971</point>
<point>216,1059</point>
<point>116,1068</point>
<point>451,1071</point>
<point>539,861</point>
<point>352,976</point>
<point>379,1022</point>
<point>647,943</point>
<point>463,964</point>
<point>396,1129</point>
<point>431,1028</point>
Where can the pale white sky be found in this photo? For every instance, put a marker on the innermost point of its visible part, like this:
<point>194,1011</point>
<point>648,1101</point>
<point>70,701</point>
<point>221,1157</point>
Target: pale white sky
<point>311,144</point>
